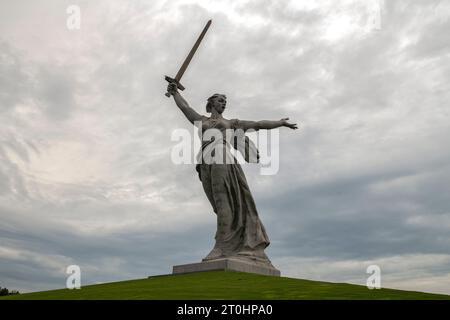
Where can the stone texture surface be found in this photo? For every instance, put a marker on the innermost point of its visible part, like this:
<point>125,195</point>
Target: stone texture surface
<point>226,264</point>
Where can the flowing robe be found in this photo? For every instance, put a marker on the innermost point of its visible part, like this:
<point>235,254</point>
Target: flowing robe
<point>240,232</point>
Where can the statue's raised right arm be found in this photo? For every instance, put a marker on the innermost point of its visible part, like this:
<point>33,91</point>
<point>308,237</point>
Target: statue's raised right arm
<point>190,113</point>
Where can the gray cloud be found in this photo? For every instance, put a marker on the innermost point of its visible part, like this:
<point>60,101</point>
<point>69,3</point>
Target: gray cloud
<point>13,79</point>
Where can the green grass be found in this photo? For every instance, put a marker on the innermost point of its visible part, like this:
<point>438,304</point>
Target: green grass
<point>224,285</point>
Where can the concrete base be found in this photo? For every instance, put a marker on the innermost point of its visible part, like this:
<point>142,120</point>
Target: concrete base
<point>226,264</point>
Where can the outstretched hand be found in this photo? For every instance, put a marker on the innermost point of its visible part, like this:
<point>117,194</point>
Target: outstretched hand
<point>285,123</point>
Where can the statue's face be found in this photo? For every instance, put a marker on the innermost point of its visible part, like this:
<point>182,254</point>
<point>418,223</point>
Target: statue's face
<point>219,103</point>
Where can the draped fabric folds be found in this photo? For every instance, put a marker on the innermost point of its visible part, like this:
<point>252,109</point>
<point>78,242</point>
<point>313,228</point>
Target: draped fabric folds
<point>239,229</point>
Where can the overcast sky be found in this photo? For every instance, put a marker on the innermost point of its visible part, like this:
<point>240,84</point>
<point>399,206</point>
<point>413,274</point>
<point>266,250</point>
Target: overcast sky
<point>85,138</point>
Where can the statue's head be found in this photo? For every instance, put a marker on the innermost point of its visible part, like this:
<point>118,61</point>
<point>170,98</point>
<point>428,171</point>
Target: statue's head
<point>218,102</point>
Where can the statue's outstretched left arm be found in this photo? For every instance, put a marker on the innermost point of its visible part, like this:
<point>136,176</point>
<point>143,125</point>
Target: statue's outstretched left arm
<point>267,124</point>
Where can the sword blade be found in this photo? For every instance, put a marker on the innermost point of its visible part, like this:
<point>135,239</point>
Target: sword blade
<point>192,52</point>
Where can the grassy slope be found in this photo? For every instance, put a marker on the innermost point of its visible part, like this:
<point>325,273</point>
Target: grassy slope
<point>225,285</point>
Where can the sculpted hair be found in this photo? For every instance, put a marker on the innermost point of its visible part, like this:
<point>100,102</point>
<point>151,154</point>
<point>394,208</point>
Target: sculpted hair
<point>209,103</point>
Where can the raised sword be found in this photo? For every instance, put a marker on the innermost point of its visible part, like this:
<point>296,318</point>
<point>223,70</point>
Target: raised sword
<point>187,61</point>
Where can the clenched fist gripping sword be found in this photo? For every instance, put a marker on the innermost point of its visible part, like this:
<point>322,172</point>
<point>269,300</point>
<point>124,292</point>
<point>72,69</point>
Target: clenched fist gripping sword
<point>186,62</point>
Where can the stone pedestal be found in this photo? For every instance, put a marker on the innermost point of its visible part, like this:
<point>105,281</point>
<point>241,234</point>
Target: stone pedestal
<point>227,264</point>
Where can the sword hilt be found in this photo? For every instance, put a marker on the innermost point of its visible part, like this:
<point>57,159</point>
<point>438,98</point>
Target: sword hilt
<point>172,80</point>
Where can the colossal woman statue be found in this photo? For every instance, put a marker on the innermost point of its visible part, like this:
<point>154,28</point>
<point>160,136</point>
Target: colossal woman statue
<point>240,233</point>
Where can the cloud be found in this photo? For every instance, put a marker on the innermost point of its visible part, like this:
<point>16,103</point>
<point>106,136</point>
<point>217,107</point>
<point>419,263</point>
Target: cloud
<point>85,170</point>
<point>421,272</point>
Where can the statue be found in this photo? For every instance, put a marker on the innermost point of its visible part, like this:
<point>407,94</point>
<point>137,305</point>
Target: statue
<point>240,235</point>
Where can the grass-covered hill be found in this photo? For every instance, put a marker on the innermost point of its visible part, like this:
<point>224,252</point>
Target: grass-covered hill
<point>224,285</point>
